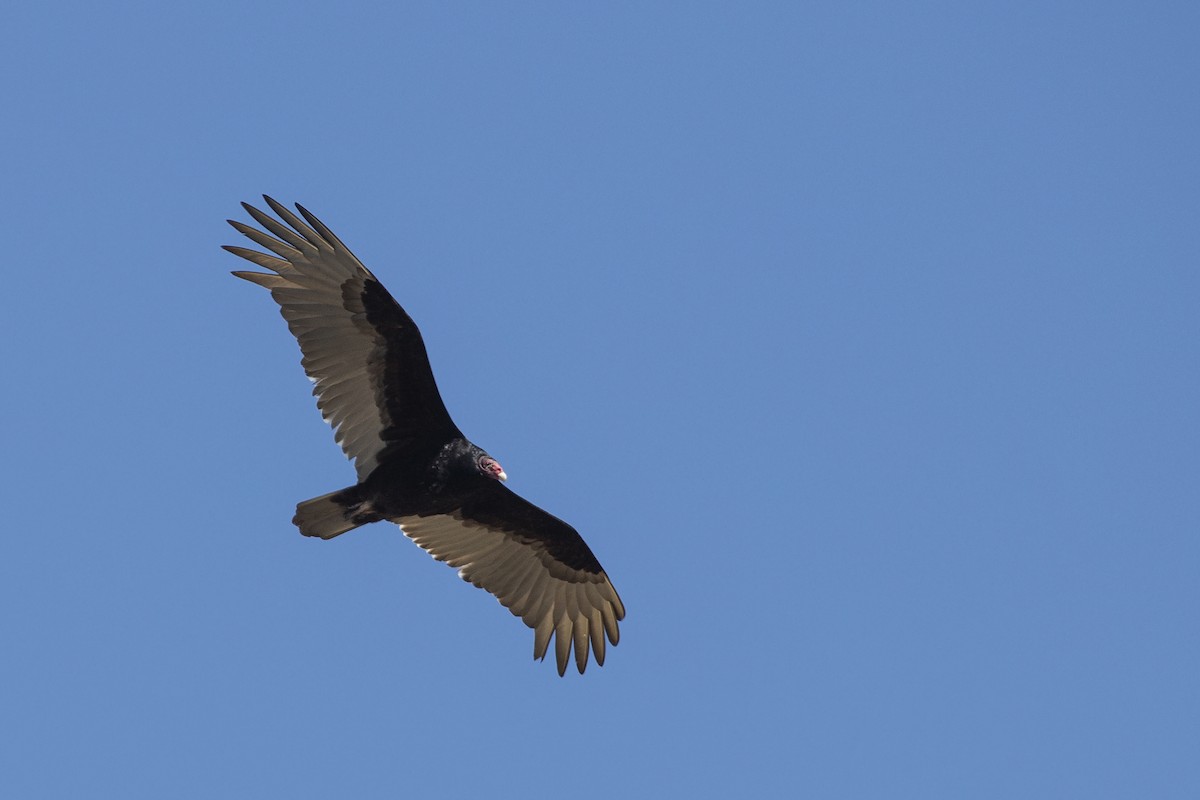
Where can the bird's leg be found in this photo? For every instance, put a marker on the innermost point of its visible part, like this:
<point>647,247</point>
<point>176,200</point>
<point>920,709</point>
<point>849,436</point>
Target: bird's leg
<point>362,513</point>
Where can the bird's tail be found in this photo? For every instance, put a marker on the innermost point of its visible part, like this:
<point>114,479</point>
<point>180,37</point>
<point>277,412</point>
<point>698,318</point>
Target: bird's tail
<point>332,514</point>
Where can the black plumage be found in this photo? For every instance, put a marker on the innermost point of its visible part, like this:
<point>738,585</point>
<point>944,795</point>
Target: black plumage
<point>374,385</point>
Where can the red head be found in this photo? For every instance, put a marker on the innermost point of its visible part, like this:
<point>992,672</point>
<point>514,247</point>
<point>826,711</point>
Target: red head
<point>491,467</point>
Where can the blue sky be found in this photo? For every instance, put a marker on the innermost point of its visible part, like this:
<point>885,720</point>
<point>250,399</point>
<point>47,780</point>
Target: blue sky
<point>860,341</point>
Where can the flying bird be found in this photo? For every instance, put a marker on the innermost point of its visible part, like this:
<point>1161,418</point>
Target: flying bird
<point>374,386</point>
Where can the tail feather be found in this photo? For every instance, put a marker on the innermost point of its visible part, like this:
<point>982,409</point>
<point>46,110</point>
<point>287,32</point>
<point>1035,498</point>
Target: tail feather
<point>328,516</point>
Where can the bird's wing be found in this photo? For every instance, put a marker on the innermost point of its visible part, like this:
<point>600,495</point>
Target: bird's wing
<point>535,564</point>
<point>362,351</point>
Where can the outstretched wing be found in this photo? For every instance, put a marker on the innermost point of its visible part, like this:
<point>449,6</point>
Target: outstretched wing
<point>362,351</point>
<point>535,564</point>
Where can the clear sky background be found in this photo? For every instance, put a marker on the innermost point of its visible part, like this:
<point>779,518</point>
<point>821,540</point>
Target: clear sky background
<point>860,340</point>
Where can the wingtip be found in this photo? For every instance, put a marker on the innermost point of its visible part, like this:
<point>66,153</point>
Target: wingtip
<point>276,206</point>
<point>263,279</point>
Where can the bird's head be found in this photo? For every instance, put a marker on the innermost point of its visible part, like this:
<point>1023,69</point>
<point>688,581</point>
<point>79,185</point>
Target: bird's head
<point>490,467</point>
<point>463,467</point>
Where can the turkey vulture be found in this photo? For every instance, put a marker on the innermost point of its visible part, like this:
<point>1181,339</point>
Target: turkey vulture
<point>374,386</point>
